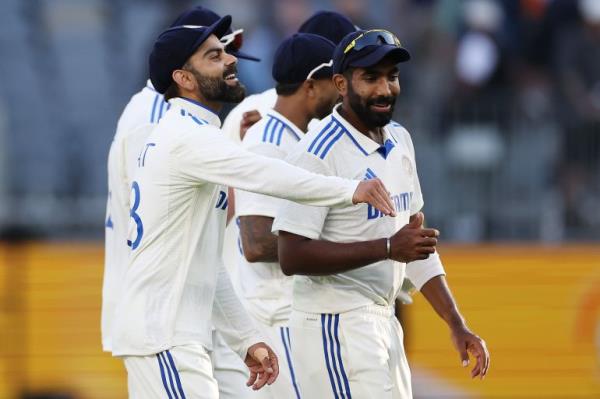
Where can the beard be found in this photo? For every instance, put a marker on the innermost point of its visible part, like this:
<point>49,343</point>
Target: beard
<point>324,108</point>
<point>216,89</point>
<point>361,108</point>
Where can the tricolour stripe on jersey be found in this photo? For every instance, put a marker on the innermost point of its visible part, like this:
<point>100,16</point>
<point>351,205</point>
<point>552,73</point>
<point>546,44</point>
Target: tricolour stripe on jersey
<point>285,338</point>
<point>370,174</point>
<point>279,134</point>
<point>274,128</point>
<point>284,127</point>
<point>177,379</point>
<point>332,142</point>
<point>321,133</point>
<point>197,120</point>
<point>162,375</point>
<point>169,374</point>
<point>154,104</point>
<point>330,134</point>
<point>266,131</point>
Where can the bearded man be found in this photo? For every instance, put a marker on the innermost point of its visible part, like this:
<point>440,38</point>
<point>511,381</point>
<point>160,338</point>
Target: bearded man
<point>349,263</point>
<point>175,286</point>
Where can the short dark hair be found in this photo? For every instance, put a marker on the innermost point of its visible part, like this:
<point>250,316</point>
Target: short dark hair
<point>172,91</point>
<point>348,73</point>
<point>287,89</point>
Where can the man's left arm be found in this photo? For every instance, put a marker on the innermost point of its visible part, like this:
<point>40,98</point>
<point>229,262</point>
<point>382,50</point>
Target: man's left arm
<point>438,294</point>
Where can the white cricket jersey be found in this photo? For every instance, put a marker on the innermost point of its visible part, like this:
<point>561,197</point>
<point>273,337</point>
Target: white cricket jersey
<point>175,275</point>
<point>143,111</point>
<point>266,290</point>
<point>335,147</point>
<point>262,102</point>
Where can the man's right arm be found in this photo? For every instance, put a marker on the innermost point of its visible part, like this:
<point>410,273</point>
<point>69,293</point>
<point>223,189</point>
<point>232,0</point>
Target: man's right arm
<point>259,244</point>
<point>208,156</point>
<point>302,255</point>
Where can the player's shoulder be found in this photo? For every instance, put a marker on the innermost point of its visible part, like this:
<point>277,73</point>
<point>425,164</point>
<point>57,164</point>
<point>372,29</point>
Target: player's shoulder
<point>179,124</point>
<point>324,136</point>
<point>399,133</point>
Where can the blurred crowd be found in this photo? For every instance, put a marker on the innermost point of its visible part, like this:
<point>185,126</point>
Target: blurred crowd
<point>502,98</point>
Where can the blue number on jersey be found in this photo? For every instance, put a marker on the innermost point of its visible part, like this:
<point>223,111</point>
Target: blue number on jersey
<point>222,201</point>
<point>136,218</point>
<point>142,158</point>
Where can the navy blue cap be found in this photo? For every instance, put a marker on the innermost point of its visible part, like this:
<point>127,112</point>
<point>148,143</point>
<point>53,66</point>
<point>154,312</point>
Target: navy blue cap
<point>203,16</point>
<point>329,24</point>
<point>175,46</point>
<point>299,55</point>
<point>366,56</point>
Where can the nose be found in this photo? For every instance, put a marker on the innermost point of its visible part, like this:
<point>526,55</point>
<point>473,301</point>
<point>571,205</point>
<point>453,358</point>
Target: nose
<point>383,87</point>
<point>230,59</point>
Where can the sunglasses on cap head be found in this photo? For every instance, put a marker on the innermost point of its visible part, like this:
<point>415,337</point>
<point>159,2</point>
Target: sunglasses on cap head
<point>372,37</point>
<point>234,40</point>
<point>318,68</point>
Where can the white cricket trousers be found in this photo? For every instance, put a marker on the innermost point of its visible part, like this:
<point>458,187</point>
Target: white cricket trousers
<point>229,370</point>
<point>352,355</point>
<point>180,372</point>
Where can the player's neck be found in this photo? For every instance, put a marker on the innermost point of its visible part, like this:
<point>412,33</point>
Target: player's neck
<point>214,106</point>
<point>294,110</point>
<point>374,133</point>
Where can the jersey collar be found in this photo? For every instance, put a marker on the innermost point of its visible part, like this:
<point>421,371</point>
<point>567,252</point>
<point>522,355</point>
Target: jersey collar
<point>367,145</point>
<point>197,109</point>
<point>288,124</point>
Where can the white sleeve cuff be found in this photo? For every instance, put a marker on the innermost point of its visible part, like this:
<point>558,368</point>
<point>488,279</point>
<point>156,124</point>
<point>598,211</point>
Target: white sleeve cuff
<point>420,272</point>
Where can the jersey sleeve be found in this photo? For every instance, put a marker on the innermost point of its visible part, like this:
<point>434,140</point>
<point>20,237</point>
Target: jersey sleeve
<point>299,219</point>
<point>208,156</point>
<point>248,203</point>
<point>230,317</point>
<point>420,272</point>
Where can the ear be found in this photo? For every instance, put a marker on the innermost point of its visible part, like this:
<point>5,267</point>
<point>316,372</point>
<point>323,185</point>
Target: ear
<point>341,84</point>
<point>309,88</point>
<point>183,79</point>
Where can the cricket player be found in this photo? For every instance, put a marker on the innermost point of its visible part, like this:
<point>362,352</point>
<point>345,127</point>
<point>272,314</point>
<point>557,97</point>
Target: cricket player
<point>349,263</point>
<point>175,286</point>
<point>141,114</point>
<point>329,24</point>
<point>302,69</point>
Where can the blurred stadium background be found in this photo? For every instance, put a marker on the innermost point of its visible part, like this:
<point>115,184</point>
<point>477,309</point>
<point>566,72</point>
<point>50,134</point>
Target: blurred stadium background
<point>503,102</point>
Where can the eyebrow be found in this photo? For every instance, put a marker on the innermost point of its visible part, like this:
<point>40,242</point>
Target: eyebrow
<point>213,50</point>
<point>378,71</point>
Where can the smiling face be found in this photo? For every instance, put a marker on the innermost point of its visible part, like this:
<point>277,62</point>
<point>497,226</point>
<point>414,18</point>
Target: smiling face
<point>210,74</point>
<point>371,92</point>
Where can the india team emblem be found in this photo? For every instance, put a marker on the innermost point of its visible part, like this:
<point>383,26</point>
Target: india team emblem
<point>407,165</point>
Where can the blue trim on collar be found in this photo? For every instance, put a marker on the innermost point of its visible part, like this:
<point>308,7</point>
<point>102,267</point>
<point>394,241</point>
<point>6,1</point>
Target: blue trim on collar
<point>200,105</point>
<point>386,148</point>
<point>152,88</point>
<point>286,125</point>
<point>351,136</point>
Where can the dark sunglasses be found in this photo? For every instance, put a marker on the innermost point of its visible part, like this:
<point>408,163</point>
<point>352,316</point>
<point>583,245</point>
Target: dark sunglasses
<point>372,37</point>
<point>234,40</point>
